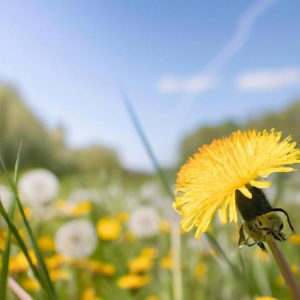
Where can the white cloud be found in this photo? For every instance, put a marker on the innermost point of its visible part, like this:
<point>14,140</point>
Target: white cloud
<point>264,80</point>
<point>196,84</point>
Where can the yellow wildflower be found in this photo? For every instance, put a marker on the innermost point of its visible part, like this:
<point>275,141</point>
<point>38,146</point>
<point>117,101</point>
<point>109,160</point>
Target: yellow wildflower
<point>265,298</point>
<point>132,281</point>
<point>166,262</point>
<point>122,216</point>
<point>73,209</point>
<point>294,269</point>
<point>140,264</point>
<point>149,252</point>
<point>105,269</point>
<point>46,243</point>
<point>31,284</point>
<point>108,229</point>
<point>55,261</point>
<point>200,272</point>
<point>295,239</point>
<point>56,275</point>
<point>19,262</point>
<point>152,297</point>
<point>89,294</point>
<point>210,178</point>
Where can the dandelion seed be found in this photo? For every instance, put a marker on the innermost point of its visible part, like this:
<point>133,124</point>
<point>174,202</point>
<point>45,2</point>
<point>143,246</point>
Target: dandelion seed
<point>76,239</point>
<point>6,197</point>
<point>144,222</point>
<point>38,187</point>
<point>210,179</point>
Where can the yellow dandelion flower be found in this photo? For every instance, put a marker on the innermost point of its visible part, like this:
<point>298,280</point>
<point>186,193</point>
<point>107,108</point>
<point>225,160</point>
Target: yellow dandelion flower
<point>19,262</point>
<point>89,294</point>
<point>200,272</point>
<point>31,284</point>
<point>122,216</point>
<point>55,261</point>
<point>152,297</point>
<point>295,239</point>
<point>132,281</point>
<point>140,264</point>
<point>46,243</point>
<point>149,252</point>
<point>166,262</point>
<point>265,298</point>
<point>108,229</point>
<point>57,275</point>
<point>210,178</point>
<point>294,268</point>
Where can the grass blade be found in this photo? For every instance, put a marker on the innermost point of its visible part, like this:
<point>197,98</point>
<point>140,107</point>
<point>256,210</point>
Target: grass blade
<point>42,266</point>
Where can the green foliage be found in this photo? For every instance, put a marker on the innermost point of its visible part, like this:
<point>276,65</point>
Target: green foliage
<point>287,121</point>
<point>43,147</point>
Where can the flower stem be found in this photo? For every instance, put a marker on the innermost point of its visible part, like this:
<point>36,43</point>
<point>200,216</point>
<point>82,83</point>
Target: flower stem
<point>176,269</point>
<point>284,268</point>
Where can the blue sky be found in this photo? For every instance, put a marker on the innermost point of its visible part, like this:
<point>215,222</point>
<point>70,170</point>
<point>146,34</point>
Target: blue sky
<point>183,64</point>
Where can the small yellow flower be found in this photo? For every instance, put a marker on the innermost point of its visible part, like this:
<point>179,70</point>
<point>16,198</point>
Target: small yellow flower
<point>108,229</point>
<point>132,281</point>
<point>265,298</point>
<point>140,264</point>
<point>149,252</point>
<point>55,261</point>
<point>19,262</point>
<point>89,294</point>
<point>294,269</point>
<point>295,239</point>
<point>152,297</point>
<point>73,209</point>
<point>122,216</point>
<point>166,262</point>
<point>210,178</point>
<point>57,275</point>
<point>105,269</point>
<point>46,243</point>
<point>31,284</point>
<point>200,272</point>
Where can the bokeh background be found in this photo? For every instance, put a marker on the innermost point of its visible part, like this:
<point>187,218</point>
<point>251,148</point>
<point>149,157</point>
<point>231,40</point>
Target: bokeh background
<point>192,71</point>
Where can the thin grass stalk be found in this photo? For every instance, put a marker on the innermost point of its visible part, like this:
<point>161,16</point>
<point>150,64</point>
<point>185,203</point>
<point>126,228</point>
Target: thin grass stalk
<point>176,260</point>
<point>42,266</point>
<point>284,268</point>
<point>175,235</point>
<point>6,252</point>
<point>23,247</point>
<point>18,290</point>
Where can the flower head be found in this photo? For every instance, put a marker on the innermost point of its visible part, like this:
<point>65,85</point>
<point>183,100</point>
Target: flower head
<point>6,196</point>
<point>210,178</point>
<point>144,222</point>
<point>108,229</point>
<point>38,187</point>
<point>76,239</point>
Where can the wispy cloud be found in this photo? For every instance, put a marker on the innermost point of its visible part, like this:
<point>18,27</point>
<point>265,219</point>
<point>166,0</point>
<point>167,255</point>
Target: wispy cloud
<point>264,80</point>
<point>189,85</point>
<point>209,77</point>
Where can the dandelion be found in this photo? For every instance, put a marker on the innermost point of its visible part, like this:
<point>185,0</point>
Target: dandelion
<point>200,272</point>
<point>265,298</point>
<point>211,177</point>
<point>76,239</point>
<point>31,284</point>
<point>6,197</point>
<point>108,229</point>
<point>295,239</point>
<point>132,281</point>
<point>38,187</point>
<point>46,243</point>
<point>140,264</point>
<point>144,222</point>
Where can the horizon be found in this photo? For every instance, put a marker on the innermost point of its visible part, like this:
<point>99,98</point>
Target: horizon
<point>182,67</point>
